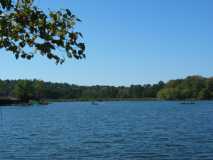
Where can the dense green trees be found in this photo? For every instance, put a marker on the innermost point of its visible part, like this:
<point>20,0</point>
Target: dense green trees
<point>193,87</point>
<point>23,90</point>
<point>26,90</point>
<point>26,30</point>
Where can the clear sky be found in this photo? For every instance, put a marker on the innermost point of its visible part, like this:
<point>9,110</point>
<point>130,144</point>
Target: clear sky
<point>128,42</point>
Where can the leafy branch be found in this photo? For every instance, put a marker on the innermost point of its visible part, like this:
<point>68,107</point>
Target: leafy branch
<point>26,30</point>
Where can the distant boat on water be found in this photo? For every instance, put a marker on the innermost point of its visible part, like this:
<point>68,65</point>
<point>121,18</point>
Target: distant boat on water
<point>94,103</point>
<point>187,102</point>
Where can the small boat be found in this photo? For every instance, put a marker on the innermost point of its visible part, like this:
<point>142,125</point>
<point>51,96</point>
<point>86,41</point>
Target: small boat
<point>187,103</point>
<point>94,103</point>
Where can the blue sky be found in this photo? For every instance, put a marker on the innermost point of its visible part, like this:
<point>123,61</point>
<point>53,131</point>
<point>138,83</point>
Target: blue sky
<point>129,42</point>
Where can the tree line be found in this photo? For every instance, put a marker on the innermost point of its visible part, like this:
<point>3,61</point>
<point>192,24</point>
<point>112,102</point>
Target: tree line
<point>192,87</point>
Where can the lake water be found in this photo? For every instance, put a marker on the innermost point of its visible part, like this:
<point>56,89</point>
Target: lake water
<point>110,130</point>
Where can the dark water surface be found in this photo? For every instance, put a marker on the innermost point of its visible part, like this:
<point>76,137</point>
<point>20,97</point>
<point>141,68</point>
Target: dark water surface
<point>110,130</point>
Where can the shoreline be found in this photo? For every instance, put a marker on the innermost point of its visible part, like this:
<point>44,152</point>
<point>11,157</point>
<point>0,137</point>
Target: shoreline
<point>12,102</point>
<point>103,100</point>
<point>123,99</point>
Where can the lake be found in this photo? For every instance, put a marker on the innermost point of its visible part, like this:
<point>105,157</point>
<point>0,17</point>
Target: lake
<point>110,130</point>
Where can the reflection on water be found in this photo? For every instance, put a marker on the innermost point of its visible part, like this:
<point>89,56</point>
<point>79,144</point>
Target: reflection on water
<point>110,130</point>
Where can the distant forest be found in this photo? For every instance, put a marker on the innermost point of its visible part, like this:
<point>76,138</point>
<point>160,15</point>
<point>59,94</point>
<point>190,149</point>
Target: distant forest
<point>192,87</point>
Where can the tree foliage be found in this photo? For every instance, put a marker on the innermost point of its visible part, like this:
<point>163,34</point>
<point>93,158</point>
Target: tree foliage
<point>23,90</point>
<point>26,30</point>
<point>192,87</point>
<point>2,88</point>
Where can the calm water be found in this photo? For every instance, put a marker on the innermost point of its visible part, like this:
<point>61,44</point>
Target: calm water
<point>110,130</point>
